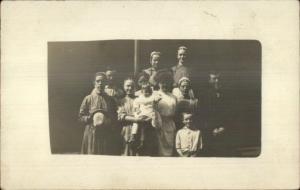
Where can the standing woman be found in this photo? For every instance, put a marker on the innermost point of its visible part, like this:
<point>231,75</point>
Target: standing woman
<point>166,108</point>
<point>98,130</point>
<point>126,118</point>
<point>155,58</point>
<point>145,143</point>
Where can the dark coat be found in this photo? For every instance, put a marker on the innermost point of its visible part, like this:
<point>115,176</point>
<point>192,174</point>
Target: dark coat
<point>98,140</point>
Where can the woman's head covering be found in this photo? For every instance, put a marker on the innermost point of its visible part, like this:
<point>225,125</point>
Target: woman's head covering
<point>164,75</point>
<point>182,79</point>
<point>154,53</point>
<point>182,48</point>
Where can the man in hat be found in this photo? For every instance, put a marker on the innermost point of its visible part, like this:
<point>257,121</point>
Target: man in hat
<point>98,114</point>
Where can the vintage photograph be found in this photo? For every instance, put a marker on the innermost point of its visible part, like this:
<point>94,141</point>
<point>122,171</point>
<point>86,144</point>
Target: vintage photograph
<point>158,98</point>
<point>149,94</point>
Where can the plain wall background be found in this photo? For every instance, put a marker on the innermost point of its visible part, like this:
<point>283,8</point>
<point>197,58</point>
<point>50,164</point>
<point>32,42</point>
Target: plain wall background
<point>71,66</point>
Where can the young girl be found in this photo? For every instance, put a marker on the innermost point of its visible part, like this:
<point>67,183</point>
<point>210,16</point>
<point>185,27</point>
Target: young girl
<point>188,139</point>
<point>145,107</point>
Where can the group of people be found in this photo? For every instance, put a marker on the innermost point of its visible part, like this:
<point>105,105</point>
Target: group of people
<point>155,114</point>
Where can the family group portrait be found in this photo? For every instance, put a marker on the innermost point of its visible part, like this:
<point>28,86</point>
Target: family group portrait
<point>156,98</point>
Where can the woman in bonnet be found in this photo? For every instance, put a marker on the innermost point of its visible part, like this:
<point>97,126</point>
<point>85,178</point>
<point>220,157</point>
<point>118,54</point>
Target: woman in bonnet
<point>186,101</point>
<point>155,58</point>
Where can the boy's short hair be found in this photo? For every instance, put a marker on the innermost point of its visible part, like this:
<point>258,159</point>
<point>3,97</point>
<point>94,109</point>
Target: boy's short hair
<point>99,74</point>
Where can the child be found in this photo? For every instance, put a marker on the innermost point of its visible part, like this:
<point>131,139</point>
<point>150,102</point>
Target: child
<point>188,139</point>
<point>144,107</point>
<point>111,88</point>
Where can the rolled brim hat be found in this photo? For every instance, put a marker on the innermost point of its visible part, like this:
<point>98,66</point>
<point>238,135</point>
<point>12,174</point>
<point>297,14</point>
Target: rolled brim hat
<point>99,117</point>
<point>164,75</point>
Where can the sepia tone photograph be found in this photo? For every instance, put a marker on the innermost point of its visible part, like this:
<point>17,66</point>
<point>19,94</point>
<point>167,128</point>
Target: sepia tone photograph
<point>121,95</point>
<point>158,98</point>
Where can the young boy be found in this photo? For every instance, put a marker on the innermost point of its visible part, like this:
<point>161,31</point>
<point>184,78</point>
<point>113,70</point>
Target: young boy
<point>188,139</point>
<point>144,107</point>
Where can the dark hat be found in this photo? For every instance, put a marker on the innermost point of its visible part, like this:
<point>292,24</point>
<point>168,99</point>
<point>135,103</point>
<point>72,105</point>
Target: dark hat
<point>99,117</point>
<point>93,111</point>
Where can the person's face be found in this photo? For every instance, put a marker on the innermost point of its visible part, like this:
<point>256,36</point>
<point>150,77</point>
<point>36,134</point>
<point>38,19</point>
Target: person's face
<point>181,55</point>
<point>110,76</point>
<point>155,61</point>
<point>187,120</point>
<point>214,80</point>
<point>163,86</point>
<point>100,82</point>
<point>184,87</point>
<point>129,87</point>
<point>141,81</point>
<point>147,91</point>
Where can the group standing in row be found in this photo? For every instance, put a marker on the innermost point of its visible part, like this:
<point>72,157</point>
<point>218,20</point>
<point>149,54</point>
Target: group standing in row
<point>162,118</point>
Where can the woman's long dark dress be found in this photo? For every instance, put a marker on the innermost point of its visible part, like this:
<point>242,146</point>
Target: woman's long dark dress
<point>98,140</point>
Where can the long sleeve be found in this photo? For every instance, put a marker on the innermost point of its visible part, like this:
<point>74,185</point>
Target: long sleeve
<point>84,111</point>
<point>136,106</point>
<point>178,143</point>
<point>200,143</point>
<point>113,112</point>
<point>125,111</point>
<point>121,113</point>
